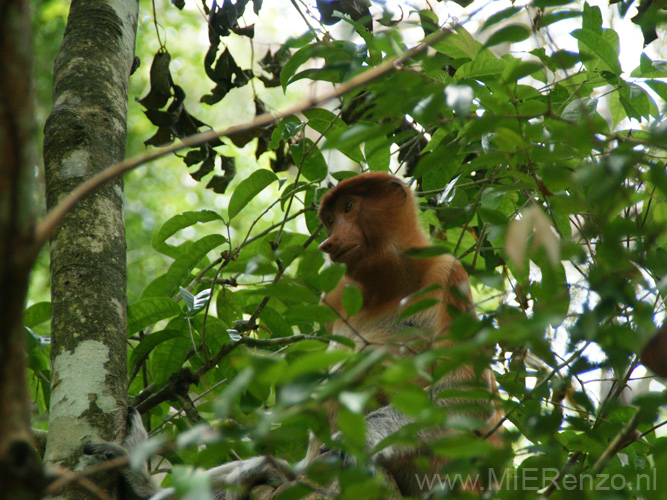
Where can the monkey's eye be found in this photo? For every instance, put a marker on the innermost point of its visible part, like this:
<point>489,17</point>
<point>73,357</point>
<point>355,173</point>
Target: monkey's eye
<point>329,222</point>
<point>348,206</point>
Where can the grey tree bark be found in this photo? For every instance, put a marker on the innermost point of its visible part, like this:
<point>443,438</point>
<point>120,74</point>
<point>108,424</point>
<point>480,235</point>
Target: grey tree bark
<point>85,134</point>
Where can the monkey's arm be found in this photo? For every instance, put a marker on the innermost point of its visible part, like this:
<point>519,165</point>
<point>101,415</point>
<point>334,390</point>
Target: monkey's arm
<point>241,475</point>
<point>133,484</point>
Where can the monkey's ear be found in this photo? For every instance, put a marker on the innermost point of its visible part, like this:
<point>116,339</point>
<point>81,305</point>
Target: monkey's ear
<point>399,186</point>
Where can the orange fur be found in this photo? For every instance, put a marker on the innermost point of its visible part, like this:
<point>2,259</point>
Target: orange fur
<point>371,221</point>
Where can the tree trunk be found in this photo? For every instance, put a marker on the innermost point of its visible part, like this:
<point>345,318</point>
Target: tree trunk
<point>85,134</point>
<point>20,468</point>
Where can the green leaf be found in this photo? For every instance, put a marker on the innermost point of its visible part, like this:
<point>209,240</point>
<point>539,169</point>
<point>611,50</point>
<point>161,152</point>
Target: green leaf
<point>181,221</point>
<point>217,331</point>
<point>562,59</point>
<point>275,322</point>
<point>659,88</point>
<point>313,362</point>
<point>228,306</point>
<point>463,446</point>
<point>333,73</point>
<point>287,128</point>
<point>188,298</point>
<point>411,400</point>
<point>150,342</point>
<point>324,122</point>
<point>458,45</point>
<point>444,160</point>
<point>649,69</point>
<point>630,101</point>
<point>192,254</point>
<point>201,433</point>
<point>352,427</point>
<point>300,57</point>
<point>146,312</point>
<point>168,358</point>
<point>429,21</point>
<point>508,140</point>
<point>225,403</point>
<point>592,18</point>
<point>517,69</point>
<point>417,307</point>
<point>378,154</point>
<point>37,314</point>
<point>310,313</point>
<point>601,48</point>
<point>289,253</point>
<point>485,64</point>
<point>635,98</point>
<point>287,291</point>
<point>500,16</point>
<point>321,120</point>
<point>548,19</point>
<point>347,140</point>
<point>330,276</point>
<point>311,262</point>
<point>576,107</point>
<point>509,34</point>
<point>352,300</point>
<point>156,288</point>
<point>343,55</point>
<point>542,4</point>
<point>314,165</point>
<point>344,139</point>
<point>248,189</point>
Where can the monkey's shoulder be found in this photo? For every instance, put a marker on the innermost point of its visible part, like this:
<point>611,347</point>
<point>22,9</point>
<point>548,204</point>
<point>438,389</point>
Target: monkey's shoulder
<point>446,272</point>
<point>445,268</point>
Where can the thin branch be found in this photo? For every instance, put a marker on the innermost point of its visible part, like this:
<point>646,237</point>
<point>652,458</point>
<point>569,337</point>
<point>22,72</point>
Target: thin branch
<point>80,479</point>
<point>627,435</point>
<point>539,384</point>
<point>286,196</point>
<point>276,225</point>
<point>305,20</point>
<point>246,340</point>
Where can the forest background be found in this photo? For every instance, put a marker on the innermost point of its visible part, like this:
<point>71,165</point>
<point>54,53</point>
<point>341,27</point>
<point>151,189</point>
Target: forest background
<point>534,135</point>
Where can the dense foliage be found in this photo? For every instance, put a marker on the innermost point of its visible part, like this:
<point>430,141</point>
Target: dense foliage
<point>543,171</point>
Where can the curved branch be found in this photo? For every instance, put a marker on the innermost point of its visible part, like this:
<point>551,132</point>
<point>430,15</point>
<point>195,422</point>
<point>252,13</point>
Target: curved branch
<point>47,227</point>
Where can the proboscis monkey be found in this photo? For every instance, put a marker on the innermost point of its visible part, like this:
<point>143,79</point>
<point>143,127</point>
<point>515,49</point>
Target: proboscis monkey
<point>372,225</point>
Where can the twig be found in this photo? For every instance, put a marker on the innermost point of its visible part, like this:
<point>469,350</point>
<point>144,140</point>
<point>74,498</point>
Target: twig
<point>625,436</point>
<point>246,340</point>
<point>539,384</point>
<point>80,479</point>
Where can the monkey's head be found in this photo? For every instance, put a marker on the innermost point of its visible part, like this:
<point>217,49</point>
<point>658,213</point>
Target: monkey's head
<point>367,215</point>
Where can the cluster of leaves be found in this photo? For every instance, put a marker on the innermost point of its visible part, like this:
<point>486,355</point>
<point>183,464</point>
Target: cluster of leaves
<point>558,214</point>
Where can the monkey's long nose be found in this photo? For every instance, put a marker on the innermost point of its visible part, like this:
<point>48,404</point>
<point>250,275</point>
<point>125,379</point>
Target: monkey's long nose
<point>327,246</point>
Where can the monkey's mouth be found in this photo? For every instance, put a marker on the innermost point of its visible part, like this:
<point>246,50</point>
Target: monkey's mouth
<point>343,252</point>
